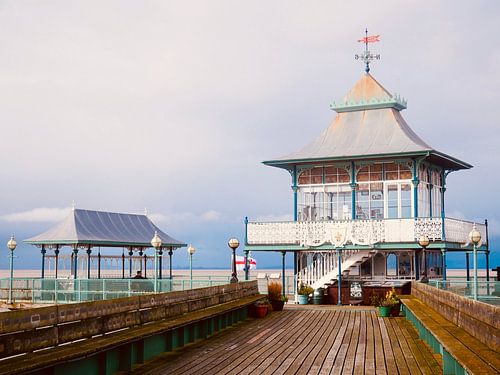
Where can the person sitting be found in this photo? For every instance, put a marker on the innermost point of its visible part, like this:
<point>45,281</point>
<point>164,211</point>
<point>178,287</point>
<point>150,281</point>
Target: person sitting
<point>138,275</point>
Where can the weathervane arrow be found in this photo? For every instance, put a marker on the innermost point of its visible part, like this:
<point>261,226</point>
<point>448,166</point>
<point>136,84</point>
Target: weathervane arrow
<point>366,56</point>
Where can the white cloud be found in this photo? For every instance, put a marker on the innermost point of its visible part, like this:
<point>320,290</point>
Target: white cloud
<point>272,217</point>
<point>37,215</point>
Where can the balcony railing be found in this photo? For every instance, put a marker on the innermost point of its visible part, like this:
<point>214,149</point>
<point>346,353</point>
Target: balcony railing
<point>360,232</point>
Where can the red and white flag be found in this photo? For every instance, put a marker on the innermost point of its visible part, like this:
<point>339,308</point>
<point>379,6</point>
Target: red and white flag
<point>370,39</point>
<point>240,263</point>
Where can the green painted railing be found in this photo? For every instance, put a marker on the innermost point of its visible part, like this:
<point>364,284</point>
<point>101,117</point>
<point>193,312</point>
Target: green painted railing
<point>38,290</point>
<point>487,291</point>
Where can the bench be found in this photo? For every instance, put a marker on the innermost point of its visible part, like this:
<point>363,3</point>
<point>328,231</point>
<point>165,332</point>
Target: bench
<point>460,351</point>
<point>119,351</point>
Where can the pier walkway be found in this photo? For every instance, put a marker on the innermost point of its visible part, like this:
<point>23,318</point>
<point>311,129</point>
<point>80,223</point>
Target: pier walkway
<point>306,340</point>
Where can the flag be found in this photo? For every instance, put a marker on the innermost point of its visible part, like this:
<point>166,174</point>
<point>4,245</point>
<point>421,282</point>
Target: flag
<point>370,39</point>
<point>240,263</point>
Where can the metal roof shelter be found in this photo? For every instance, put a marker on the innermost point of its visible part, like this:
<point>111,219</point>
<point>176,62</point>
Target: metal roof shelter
<point>85,229</point>
<point>368,125</point>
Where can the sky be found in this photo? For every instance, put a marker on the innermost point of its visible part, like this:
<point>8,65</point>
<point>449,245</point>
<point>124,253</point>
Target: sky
<point>171,106</point>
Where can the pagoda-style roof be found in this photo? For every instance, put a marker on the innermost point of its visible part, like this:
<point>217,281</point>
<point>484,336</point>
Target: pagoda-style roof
<point>85,227</point>
<point>368,125</point>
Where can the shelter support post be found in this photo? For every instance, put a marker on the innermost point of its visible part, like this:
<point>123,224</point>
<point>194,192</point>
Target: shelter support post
<point>160,262</point>
<point>99,264</point>
<point>89,251</point>
<point>140,263</point>
<point>75,262</point>
<point>43,251</point>
<point>145,265</point>
<point>130,253</point>
<point>487,254</point>
<point>56,252</point>
<point>417,266</point>
<point>283,283</point>
<point>467,267</point>
<point>170,252</point>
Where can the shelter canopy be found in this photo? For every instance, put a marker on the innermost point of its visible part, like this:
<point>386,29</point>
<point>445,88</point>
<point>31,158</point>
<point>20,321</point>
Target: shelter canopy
<point>85,227</point>
<point>368,125</point>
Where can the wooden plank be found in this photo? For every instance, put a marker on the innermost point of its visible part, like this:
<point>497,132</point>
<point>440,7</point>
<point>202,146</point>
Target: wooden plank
<point>359,364</point>
<point>420,350</point>
<point>380,367</point>
<point>353,345</point>
<point>341,354</point>
<point>390,360</point>
<point>332,353</point>
<point>320,359</point>
<point>396,349</point>
<point>413,367</point>
<point>370,346</point>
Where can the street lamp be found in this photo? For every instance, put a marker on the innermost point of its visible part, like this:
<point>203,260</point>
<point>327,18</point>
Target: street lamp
<point>156,243</point>
<point>191,250</point>
<point>423,241</point>
<point>233,243</point>
<point>12,246</point>
<point>475,238</point>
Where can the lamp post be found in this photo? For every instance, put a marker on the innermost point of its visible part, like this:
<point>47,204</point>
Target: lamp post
<point>12,246</point>
<point>233,243</point>
<point>423,241</point>
<point>191,250</point>
<point>475,238</point>
<point>156,243</point>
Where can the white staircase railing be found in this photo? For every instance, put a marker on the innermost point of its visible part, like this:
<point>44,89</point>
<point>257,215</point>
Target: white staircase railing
<point>319,268</point>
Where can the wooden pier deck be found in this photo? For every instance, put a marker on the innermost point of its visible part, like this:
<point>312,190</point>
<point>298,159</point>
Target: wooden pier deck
<point>310,340</point>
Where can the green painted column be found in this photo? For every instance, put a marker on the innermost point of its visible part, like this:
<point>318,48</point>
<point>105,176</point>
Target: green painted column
<point>247,265</point>
<point>353,191</point>
<point>43,251</point>
<point>295,192</point>
<point>283,253</point>
<point>75,262</point>
<point>339,285</point>
<point>443,255</point>
<point>89,251</point>
<point>415,182</point>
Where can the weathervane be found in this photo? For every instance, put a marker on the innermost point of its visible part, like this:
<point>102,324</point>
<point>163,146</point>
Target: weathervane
<point>366,55</point>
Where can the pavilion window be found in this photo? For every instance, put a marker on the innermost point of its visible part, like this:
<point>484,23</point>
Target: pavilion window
<point>370,193</point>
<point>436,193</point>
<point>424,192</point>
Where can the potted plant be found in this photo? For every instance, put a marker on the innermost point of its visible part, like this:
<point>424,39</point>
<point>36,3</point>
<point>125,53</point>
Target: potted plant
<point>385,308</point>
<point>392,296</point>
<point>275,296</point>
<point>261,308</point>
<point>303,294</point>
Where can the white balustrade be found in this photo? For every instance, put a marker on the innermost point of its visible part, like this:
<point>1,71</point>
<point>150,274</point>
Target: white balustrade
<point>311,234</point>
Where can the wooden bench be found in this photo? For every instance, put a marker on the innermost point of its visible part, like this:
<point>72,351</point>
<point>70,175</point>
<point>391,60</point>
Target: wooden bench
<point>132,345</point>
<point>459,349</point>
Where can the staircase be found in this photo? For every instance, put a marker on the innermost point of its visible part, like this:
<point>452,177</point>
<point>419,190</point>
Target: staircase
<point>324,268</point>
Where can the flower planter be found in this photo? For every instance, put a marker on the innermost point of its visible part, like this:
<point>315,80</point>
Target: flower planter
<point>385,311</point>
<point>277,305</point>
<point>396,309</point>
<point>303,299</point>
<point>261,311</point>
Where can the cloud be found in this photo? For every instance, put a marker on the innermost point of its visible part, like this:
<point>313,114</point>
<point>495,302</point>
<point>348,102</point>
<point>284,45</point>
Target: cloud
<point>37,215</point>
<point>272,217</point>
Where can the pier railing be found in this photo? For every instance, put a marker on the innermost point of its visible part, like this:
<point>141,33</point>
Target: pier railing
<point>487,291</point>
<point>360,232</point>
<point>36,290</point>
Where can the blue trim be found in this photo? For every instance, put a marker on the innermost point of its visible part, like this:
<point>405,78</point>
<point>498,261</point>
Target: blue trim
<point>443,255</point>
<point>246,230</point>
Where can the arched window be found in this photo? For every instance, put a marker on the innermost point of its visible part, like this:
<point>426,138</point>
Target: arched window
<point>392,265</point>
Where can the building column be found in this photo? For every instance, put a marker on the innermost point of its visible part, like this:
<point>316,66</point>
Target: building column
<point>487,254</point>
<point>353,191</point>
<point>145,265</point>
<point>294,188</point>
<point>283,253</point>
<point>99,263</point>
<point>246,264</point>
<point>339,285</point>
<point>89,251</point>
<point>443,259</point>
<point>415,181</point>
<point>43,251</point>
<point>417,265</point>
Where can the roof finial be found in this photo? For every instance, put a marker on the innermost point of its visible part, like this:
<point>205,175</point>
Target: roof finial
<point>145,211</point>
<point>73,205</point>
<point>366,56</point>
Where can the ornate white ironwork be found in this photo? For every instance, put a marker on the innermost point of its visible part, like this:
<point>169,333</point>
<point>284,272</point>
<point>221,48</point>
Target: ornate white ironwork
<point>311,234</point>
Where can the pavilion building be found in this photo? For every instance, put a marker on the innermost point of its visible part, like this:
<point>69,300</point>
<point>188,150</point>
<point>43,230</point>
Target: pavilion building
<point>364,193</point>
<point>87,231</point>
